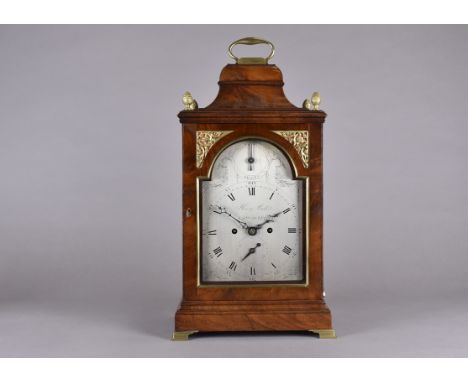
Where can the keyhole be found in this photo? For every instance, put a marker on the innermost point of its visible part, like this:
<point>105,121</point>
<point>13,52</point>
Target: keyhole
<point>188,212</point>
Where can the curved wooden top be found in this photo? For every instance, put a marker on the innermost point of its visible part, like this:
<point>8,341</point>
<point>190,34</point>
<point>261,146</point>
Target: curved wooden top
<point>250,92</point>
<point>244,72</point>
<point>250,87</point>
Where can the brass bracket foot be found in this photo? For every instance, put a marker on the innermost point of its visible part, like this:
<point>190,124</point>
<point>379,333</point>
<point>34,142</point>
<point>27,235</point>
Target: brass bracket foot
<point>182,336</point>
<point>324,333</point>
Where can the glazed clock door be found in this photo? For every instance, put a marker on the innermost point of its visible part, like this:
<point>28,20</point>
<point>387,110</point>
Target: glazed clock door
<point>252,218</point>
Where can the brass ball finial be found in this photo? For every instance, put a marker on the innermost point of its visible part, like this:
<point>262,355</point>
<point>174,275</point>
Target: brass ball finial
<point>189,102</point>
<point>307,104</point>
<point>316,101</point>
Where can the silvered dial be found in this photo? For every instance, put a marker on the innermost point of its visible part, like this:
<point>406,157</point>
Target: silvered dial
<point>252,217</point>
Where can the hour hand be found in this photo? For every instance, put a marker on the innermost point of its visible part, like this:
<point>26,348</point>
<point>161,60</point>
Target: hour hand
<point>251,251</point>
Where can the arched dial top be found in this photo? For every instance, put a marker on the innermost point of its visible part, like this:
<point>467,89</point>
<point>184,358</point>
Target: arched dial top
<point>252,217</point>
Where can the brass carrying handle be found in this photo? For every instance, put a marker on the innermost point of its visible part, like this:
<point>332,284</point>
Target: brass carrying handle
<point>251,60</point>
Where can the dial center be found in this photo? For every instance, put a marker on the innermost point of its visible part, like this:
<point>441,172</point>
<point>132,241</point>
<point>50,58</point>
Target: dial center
<point>252,231</point>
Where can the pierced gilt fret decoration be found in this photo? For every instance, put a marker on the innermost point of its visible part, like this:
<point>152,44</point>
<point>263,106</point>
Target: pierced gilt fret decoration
<point>206,140</point>
<point>300,140</point>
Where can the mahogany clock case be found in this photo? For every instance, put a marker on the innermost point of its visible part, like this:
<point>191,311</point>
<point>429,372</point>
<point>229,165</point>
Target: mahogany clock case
<point>251,103</point>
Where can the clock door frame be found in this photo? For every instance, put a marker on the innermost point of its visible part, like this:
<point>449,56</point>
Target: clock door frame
<point>305,224</point>
<point>312,174</point>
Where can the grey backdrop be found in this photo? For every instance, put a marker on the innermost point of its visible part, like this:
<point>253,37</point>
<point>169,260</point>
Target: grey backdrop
<point>90,186</point>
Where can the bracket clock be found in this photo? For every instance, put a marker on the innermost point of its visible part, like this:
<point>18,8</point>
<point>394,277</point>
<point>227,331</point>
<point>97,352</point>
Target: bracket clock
<point>252,207</point>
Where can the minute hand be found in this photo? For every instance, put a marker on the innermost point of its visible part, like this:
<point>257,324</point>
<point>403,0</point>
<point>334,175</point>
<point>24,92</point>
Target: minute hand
<point>222,210</point>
